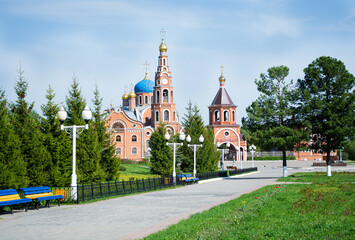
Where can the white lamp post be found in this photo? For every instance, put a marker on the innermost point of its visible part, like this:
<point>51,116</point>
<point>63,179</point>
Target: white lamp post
<point>73,131</point>
<point>252,149</point>
<point>174,146</point>
<point>341,149</point>
<point>194,146</point>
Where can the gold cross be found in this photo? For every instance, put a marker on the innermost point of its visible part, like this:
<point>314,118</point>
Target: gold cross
<point>222,70</point>
<point>162,32</point>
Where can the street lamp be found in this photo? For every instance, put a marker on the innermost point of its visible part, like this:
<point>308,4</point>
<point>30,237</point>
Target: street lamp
<point>252,149</point>
<point>340,150</point>
<point>222,150</point>
<point>73,131</point>
<point>194,146</point>
<point>174,147</point>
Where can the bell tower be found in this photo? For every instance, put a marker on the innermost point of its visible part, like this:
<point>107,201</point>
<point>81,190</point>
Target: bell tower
<point>222,120</point>
<point>163,106</point>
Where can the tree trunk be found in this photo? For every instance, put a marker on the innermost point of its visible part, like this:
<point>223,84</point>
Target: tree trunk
<point>284,163</point>
<point>329,171</point>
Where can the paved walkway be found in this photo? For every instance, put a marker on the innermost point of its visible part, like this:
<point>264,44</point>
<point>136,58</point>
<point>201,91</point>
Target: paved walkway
<point>137,216</point>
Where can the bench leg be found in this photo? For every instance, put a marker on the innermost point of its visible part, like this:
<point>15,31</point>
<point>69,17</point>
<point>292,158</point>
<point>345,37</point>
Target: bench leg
<point>47,203</point>
<point>37,205</point>
<point>12,212</point>
<point>26,207</point>
<point>58,202</point>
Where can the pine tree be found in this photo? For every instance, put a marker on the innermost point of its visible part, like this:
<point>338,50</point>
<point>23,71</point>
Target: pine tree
<point>270,119</point>
<point>109,162</point>
<point>88,149</point>
<point>12,166</point>
<point>327,101</point>
<point>207,156</point>
<point>26,125</point>
<point>57,143</point>
<point>162,156</point>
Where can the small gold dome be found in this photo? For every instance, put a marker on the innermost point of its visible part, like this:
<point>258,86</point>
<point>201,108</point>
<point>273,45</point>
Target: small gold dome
<point>146,77</point>
<point>125,95</point>
<point>132,94</point>
<point>222,78</point>
<point>163,47</point>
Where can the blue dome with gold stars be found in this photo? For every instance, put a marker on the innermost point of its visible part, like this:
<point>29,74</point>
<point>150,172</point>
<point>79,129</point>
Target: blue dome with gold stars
<point>144,86</point>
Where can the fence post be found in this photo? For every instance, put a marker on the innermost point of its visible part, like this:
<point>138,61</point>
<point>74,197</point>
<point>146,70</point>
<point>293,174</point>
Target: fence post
<point>143,184</point>
<point>116,187</point>
<point>155,186</point>
<point>83,192</point>
<point>137,182</point>
<point>149,183</point>
<point>109,190</point>
<point>100,189</point>
<point>124,187</point>
<point>92,190</point>
<point>130,184</point>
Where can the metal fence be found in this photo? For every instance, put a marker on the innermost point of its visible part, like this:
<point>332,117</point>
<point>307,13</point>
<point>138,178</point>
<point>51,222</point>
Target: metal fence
<point>91,191</point>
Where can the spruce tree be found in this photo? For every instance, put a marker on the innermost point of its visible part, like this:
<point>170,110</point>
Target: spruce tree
<point>12,166</point>
<point>109,162</point>
<point>26,125</point>
<point>88,149</point>
<point>57,142</point>
<point>327,102</point>
<point>162,156</point>
<point>207,156</point>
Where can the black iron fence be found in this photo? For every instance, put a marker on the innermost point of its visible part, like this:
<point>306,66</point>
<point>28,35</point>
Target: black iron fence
<point>92,191</point>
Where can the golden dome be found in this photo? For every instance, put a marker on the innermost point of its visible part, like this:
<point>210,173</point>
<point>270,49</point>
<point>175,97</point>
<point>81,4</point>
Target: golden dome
<point>163,47</point>
<point>132,94</point>
<point>222,79</point>
<point>125,95</point>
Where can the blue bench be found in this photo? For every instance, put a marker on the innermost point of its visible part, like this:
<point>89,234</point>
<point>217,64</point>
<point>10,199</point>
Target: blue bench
<point>187,178</point>
<point>38,194</point>
<point>10,197</point>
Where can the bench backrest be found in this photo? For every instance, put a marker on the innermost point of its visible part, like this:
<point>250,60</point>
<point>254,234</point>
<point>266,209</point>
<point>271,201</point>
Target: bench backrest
<point>8,194</point>
<point>36,190</point>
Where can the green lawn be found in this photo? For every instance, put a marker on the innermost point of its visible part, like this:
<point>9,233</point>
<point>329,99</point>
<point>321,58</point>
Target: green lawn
<point>323,210</point>
<point>136,171</point>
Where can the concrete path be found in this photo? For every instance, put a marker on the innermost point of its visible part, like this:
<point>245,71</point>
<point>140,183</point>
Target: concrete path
<point>137,216</point>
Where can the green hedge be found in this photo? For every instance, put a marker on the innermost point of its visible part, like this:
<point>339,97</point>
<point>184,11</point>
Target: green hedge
<point>272,158</point>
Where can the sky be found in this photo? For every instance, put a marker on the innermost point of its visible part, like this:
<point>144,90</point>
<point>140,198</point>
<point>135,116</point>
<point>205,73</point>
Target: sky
<point>106,43</point>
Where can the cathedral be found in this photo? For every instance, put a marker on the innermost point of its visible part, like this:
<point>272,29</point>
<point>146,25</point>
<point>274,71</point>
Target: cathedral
<point>151,103</point>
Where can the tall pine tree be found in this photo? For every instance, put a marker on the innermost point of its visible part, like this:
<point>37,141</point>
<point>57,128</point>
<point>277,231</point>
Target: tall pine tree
<point>12,166</point>
<point>26,126</point>
<point>327,101</point>
<point>109,162</point>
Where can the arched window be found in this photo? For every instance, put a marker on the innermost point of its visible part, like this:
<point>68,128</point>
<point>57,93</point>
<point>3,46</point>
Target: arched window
<point>157,116</point>
<point>158,97</point>
<point>171,96</point>
<point>134,151</point>
<point>216,116</point>
<point>165,95</point>
<point>147,144</point>
<point>146,100</point>
<point>233,116</point>
<point>151,99</point>
<point>164,62</point>
<point>118,151</point>
<point>166,115</point>
<point>174,116</point>
<point>226,115</point>
<point>140,100</point>
<point>118,127</point>
<point>118,138</point>
<point>134,138</point>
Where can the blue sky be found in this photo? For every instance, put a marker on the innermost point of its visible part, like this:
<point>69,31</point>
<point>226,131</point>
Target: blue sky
<point>106,43</point>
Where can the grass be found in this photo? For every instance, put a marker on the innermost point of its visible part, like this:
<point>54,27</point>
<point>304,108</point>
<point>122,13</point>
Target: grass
<point>320,177</point>
<point>136,171</point>
<point>323,210</point>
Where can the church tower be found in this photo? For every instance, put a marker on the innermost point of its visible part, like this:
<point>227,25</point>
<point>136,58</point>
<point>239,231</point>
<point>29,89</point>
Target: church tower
<point>222,120</point>
<point>163,106</point>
